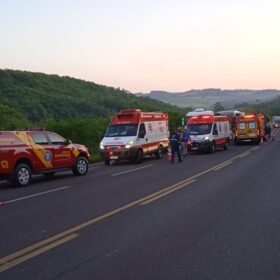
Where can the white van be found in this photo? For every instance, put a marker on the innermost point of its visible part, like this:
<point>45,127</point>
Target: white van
<point>132,134</point>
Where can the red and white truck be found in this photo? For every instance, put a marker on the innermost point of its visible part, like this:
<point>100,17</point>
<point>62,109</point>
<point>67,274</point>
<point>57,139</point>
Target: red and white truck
<point>207,132</point>
<point>132,134</point>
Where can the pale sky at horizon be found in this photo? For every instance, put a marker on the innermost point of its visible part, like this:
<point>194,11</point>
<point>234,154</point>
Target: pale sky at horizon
<point>171,45</point>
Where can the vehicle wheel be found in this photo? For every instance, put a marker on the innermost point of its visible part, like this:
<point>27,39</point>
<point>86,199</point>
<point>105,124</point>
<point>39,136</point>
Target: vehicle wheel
<point>226,146</point>
<point>159,152</point>
<point>107,162</point>
<point>212,148</point>
<point>139,156</point>
<point>81,166</point>
<point>22,175</point>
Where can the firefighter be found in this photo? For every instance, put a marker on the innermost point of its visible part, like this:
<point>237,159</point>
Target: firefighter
<point>175,143</point>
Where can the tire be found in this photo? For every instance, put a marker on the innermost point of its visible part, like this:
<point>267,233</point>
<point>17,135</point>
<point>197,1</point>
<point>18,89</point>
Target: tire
<point>212,148</point>
<point>22,175</point>
<point>107,162</point>
<point>139,156</point>
<point>159,153</point>
<point>81,166</point>
<point>226,146</point>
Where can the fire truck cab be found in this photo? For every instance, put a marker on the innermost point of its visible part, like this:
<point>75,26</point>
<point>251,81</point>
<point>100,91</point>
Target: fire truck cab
<point>207,132</point>
<point>132,134</point>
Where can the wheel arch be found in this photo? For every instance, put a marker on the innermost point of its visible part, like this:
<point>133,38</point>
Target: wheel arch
<point>24,161</point>
<point>83,154</point>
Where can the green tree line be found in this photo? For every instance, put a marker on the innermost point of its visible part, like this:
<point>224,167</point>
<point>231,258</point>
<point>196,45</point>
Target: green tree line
<point>40,97</point>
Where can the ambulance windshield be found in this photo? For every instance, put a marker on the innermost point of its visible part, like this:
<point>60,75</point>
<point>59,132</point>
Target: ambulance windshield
<point>121,130</point>
<point>199,129</point>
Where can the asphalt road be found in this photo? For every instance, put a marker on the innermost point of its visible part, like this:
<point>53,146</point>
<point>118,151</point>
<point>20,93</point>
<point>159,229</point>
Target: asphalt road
<point>213,216</point>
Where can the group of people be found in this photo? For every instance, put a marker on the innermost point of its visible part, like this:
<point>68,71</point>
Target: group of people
<point>178,143</point>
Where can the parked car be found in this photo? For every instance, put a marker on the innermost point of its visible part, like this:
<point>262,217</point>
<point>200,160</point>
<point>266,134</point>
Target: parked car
<point>23,153</point>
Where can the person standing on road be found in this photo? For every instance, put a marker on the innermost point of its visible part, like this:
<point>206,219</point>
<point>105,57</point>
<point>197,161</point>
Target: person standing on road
<point>185,140</point>
<point>268,131</point>
<point>175,146</point>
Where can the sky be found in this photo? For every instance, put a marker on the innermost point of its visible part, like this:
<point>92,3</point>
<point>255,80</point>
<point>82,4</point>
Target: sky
<point>146,45</point>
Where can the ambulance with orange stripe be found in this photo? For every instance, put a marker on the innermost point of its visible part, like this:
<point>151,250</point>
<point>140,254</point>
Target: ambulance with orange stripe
<point>208,132</point>
<point>132,134</point>
<point>250,128</point>
<point>23,153</point>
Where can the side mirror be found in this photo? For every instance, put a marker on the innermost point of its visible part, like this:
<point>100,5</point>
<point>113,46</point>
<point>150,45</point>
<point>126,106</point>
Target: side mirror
<point>68,142</point>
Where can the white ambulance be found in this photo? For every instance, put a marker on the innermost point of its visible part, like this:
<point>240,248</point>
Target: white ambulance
<point>207,132</point>
<point>132,134</point>
<point>196,112</point>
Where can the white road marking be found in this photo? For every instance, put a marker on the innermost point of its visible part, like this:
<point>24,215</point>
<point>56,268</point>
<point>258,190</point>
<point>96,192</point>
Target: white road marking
<point>223,165</point>
<point>245,154</point>
<point>34,195</point>
<point>131,170</point>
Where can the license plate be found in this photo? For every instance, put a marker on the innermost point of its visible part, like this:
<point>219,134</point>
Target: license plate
<point>113,157</point>
<point>194,148</point>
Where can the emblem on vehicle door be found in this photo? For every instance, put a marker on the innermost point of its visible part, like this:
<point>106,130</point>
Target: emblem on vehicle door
<point>48,156</point>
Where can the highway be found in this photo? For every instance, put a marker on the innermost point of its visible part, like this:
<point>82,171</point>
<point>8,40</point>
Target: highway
<point>213,216</point>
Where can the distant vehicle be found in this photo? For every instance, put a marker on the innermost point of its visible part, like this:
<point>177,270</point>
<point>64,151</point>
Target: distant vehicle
<point>132,134</point>
<point>23,153</point>
<point>196,112</point>
<point>233,114</point>
<point>250,128</point>
<point>207,132</point>
<point>276,121</point>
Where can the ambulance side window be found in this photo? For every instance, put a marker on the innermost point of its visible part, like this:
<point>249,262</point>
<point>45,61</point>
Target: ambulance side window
<point>142,131</point>
<point>215,131</point>
<point>39,138</point>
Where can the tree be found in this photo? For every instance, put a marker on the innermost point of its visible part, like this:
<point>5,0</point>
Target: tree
<point>11,119</point>
<point>218,107</point>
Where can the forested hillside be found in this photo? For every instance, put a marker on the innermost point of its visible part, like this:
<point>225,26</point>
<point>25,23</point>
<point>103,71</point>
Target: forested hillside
<point>76,109</point>
<point>40,97</point>
<point>270,108</point>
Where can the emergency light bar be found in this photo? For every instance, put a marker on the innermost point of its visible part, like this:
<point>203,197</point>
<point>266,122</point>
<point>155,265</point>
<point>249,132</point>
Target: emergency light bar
<point>249,116</point>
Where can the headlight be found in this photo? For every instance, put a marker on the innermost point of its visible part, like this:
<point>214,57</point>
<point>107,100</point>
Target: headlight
<point>101,146</point>
<point>129,144</point>
<point>206,138</point>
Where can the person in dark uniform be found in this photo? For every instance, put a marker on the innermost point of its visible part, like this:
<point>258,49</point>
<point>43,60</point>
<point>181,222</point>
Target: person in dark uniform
<point>175,143</point>
<point>268,131</point>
